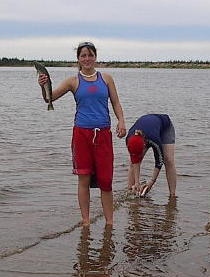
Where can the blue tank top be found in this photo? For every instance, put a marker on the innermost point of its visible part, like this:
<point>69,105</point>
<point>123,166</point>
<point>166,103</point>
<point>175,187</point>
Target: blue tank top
<point>91,99</point>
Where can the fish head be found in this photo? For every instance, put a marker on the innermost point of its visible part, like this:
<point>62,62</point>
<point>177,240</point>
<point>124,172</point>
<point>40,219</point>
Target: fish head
<point>40,68</point>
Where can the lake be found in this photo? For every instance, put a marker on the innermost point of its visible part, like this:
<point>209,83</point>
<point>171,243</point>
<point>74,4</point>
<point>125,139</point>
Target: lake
<point>40,233</point>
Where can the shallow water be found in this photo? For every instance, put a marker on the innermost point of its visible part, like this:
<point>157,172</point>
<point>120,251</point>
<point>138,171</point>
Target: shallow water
<point>39,214</point>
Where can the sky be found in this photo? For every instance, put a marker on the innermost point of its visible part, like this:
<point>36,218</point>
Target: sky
<point>122,30</point>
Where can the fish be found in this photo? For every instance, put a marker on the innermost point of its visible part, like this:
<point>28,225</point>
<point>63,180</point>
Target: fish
<point>47,88</point>
<point>144,190</point>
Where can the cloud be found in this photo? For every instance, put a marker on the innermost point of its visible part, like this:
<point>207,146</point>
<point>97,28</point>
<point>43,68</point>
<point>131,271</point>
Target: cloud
<point>122,30</point>
<point>14,29</point>
<point>52,48</point>
<point>146,12</point>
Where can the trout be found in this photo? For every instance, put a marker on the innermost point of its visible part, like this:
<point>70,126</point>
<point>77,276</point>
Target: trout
<point>47,88</point>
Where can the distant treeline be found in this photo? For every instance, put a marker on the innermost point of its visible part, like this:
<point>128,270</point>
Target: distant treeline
<point>163,64</point>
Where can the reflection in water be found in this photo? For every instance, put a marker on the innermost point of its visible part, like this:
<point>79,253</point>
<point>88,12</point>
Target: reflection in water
<point>92,260</point>
<point>151,232</point>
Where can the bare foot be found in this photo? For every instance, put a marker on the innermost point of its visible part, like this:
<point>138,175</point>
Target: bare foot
<point>85,223</point>
<point>109,223</point>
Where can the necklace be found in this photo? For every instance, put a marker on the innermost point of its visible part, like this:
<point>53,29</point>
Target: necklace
<point>88,76</point>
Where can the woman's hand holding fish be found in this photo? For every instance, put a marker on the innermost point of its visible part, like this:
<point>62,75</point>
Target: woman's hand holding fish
<point>42,79</point>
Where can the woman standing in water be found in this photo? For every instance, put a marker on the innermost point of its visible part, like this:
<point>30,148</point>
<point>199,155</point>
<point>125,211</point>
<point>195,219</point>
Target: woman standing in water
<point>92,148</point>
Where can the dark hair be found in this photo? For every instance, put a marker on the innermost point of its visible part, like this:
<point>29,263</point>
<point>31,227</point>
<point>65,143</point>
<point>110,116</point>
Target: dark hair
<point>87,44</point>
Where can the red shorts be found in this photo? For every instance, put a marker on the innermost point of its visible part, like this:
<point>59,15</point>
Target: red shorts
<point>92,153</point>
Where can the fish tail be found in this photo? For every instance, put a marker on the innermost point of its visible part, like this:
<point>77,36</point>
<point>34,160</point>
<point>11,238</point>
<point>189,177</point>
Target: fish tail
<point>50,107</point>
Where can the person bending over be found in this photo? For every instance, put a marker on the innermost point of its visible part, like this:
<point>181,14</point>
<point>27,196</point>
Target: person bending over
<point>156,131</point>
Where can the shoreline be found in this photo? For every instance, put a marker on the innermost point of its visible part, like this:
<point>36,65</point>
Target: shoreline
<point>14,62</point>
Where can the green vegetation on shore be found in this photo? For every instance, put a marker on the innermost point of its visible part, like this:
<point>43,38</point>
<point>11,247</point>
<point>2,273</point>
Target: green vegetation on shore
<point>127,64</point>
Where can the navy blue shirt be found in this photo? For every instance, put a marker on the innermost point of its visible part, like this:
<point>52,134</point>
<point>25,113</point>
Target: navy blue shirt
<point>153,126</point>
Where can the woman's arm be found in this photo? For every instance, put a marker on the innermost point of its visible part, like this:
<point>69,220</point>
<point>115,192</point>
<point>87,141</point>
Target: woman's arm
<point>153,179</point>
<point>117,108</point>
<point>133,177</point>
<point>158,156</point>
<point>131,180</point>
<point>136,173</point>
<point>70,84</point>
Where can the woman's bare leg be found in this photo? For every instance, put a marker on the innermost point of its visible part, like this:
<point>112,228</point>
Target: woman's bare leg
<point>84,198</point>
<point>107,204</point>
<point>169,159</point>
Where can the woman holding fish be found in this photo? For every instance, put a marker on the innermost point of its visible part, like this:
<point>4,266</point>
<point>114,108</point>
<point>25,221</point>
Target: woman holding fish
<point>92,148</point>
